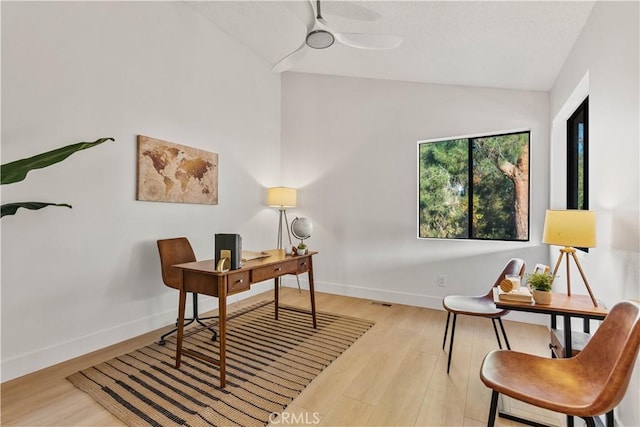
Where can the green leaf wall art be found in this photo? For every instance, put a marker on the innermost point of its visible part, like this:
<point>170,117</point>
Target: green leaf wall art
<point>17,171</point>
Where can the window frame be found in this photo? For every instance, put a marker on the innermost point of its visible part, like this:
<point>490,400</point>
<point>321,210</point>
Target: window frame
<point>470,211</point>
<point>580,115</point>
<point>573,177</point>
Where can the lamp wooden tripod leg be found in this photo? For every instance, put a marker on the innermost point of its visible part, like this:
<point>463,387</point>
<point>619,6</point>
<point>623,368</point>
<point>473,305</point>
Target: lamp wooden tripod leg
<point>571,251</point>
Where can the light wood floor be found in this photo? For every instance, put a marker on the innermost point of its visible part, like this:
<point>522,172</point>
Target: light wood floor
<point>394,375</point>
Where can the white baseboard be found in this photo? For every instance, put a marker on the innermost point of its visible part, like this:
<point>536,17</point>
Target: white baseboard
<point>26,363</point>
<point>45,357</point>
<point>405,298</point>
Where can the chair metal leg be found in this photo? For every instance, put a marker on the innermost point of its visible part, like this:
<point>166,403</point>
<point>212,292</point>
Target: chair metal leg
<point>453,331</point>
<point>504,334</point>
<point>200,319</point>
<point>446,329</point>
<point>495,329</point>
<point>195,318</point>
<point>589,421</point>
<point>174,330</point>
<point>493,409</point>
<point>609,419</point>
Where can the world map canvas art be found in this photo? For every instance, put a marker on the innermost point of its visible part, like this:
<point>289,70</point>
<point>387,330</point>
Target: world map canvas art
<point>169,172</point>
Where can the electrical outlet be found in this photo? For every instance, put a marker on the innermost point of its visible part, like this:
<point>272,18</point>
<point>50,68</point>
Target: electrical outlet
<point>442,280</point>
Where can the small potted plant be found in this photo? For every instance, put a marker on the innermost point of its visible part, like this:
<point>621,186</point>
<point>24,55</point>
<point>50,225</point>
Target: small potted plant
<point>301,249</point>
<point>540,285</point>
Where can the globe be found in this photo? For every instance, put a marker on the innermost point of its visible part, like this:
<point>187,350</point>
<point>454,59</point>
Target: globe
<point>301,228</point>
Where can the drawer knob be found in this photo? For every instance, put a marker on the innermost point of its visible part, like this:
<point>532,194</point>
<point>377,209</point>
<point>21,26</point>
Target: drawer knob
<point>304,264</point>
<point>240,281</point>
<point>279,268</point>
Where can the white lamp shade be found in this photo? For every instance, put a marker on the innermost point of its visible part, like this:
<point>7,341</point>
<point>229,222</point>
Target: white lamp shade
<point>573,227</point>
<point>281,197</point>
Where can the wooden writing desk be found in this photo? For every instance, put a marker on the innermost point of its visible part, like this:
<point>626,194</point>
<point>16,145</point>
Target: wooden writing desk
<point>579,306</point>
<point>201,277</point>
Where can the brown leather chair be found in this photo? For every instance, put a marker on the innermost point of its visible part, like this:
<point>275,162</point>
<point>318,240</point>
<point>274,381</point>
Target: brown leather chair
<point>481,306</point>
<point>587,385</point>
<point>178,251</point>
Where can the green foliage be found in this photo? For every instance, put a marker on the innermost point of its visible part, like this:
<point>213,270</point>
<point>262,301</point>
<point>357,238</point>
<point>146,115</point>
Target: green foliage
<point>581,161</point>
<point>11,208</point>
<point>444,187</point>
<point>17,171</point>
<point>540,281</point>
<point>494,210</point>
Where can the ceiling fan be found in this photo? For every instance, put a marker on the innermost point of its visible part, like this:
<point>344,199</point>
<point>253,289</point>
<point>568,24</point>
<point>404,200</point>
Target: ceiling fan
<point>320,35</point>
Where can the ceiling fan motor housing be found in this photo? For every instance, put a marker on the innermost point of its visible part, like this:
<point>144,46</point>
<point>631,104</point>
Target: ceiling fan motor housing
<point>320,39</point>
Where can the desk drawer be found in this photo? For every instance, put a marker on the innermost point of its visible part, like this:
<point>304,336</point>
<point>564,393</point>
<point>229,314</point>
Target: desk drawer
<point>303,265</point>
<point>272,271</point>
<point>238,282</point>
<point>578,342</point>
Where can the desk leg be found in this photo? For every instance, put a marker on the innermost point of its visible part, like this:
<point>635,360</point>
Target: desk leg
<point>568,352</point>
<point>181,309</point>
<point>222,329</point>
<point>312,293</point>
<point>276,295</point>
<point>609,418</point>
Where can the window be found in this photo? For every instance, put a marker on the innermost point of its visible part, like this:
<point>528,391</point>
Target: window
<point>578,158</point>
<point>474,187</point>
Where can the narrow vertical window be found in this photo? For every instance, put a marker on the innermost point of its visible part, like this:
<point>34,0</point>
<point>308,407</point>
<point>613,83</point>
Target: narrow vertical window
<point>578,158</point>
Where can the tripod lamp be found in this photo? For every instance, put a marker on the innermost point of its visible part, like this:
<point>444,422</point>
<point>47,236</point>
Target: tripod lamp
<point>571,229</point>
<point>282,198</point>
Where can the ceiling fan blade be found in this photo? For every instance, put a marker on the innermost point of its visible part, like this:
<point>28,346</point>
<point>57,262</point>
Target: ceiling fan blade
<point>291,59</point>
<point>323,24</point>
<point>368,41</point>
<point>303,10</point>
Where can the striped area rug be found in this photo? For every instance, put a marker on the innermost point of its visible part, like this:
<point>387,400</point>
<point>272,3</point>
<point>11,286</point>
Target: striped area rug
<point>269,362</point>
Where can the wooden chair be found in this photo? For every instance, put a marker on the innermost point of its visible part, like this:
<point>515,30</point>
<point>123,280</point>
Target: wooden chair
<point>178,251</point>
<point>587,385</point>
<point>480,306</point>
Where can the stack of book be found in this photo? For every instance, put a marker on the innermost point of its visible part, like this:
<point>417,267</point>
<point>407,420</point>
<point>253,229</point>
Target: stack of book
<point>521,295</point>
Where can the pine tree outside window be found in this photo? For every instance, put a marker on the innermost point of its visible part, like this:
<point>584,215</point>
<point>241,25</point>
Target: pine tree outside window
<point>474,187</point>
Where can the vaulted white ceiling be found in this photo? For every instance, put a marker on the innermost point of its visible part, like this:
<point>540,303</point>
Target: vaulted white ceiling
<point>506,44</point>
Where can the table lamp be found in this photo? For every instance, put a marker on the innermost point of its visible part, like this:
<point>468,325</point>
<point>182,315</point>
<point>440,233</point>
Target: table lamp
<point>570,228</point>
<point>282,198</point>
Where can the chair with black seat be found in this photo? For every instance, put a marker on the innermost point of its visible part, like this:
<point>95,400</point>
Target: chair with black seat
<point>586,385</point>
<point>480,306</point>
<point>178,251</point>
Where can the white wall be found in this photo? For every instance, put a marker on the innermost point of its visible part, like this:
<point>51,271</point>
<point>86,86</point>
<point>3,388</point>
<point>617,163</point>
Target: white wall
<point>350,145</point>
<point>80,279</point>
<point>604,65</point>
<point>77,280</point>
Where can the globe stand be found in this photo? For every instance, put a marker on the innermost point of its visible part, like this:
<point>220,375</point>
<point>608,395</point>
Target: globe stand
<point>301,228</point>
<point>283,215</point>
